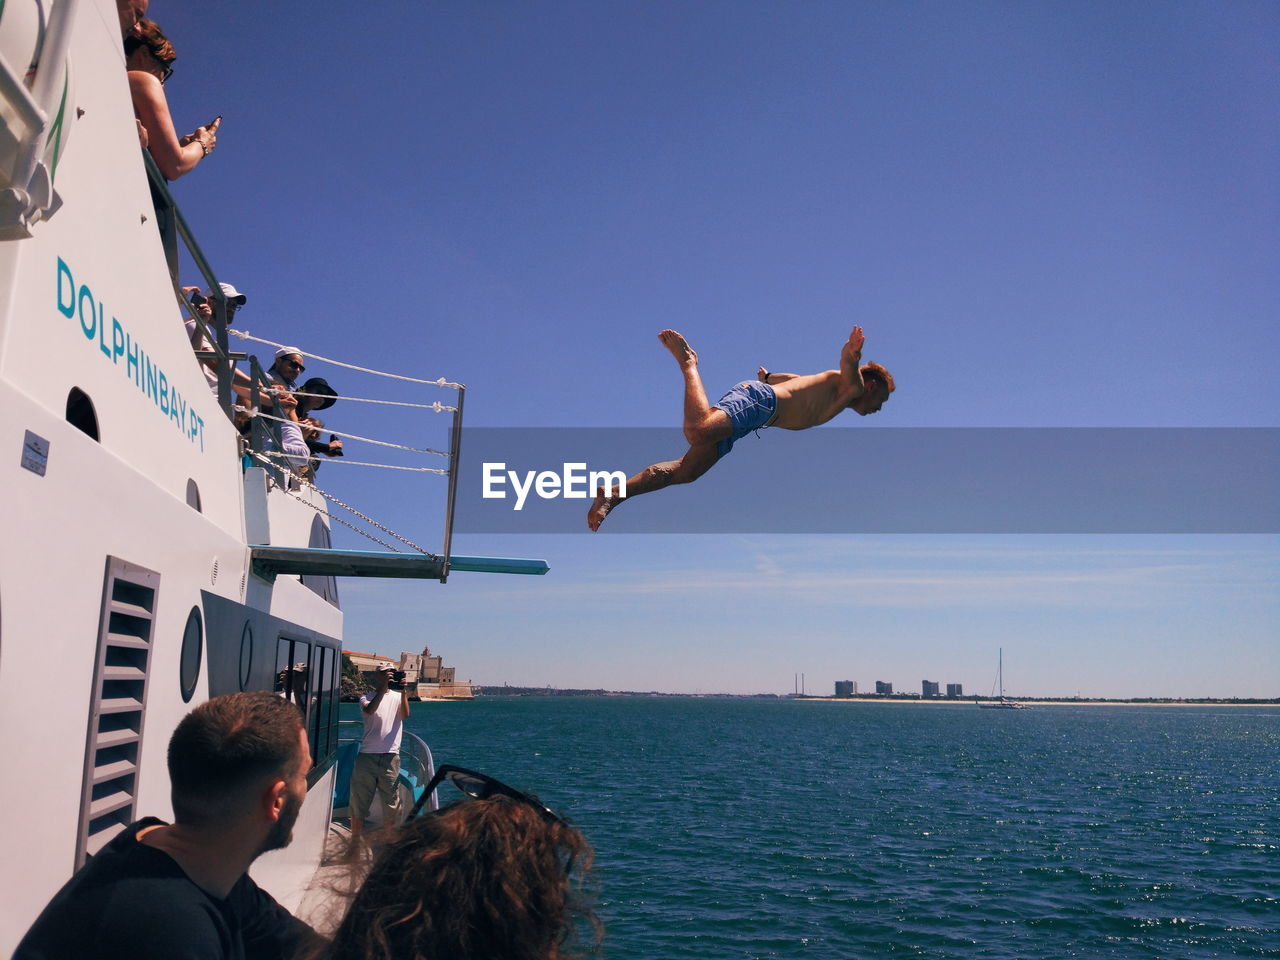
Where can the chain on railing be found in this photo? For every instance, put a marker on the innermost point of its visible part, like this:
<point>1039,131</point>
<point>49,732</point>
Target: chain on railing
<point>350,509</point>
<point>346,461</point>
<point>350,526</point>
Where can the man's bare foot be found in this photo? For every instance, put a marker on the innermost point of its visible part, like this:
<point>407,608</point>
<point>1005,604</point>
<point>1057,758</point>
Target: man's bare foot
<point>601,507</point>
<point>679,347</point>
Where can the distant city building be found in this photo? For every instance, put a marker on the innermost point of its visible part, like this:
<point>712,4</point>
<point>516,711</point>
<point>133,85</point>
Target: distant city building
<point>928,689</point>
<point>955,690</point>
<point>844,688</point>
<point>884,689</point>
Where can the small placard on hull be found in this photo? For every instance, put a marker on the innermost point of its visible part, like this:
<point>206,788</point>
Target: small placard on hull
<point>35,453</point>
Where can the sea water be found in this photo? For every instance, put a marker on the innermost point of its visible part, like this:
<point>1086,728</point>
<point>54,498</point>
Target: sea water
<point>739,829</point>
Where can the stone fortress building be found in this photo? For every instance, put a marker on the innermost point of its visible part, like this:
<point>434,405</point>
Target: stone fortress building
<point>426,676</point>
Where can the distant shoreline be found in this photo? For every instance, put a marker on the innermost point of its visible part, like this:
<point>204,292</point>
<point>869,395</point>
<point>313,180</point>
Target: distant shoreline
<point>493,691</point>
<point>942,701</point>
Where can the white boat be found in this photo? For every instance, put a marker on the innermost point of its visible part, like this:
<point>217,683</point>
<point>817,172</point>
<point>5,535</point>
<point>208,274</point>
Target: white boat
<point>1004,703</point>
<point>143,569</point>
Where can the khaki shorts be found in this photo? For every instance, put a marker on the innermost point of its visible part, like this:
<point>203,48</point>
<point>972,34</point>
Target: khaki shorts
<point>376,773</point>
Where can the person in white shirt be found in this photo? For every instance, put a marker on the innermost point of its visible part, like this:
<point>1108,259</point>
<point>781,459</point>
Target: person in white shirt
<point>377,766</point>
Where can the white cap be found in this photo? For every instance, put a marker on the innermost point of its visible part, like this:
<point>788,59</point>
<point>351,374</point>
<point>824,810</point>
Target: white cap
<point>232,294</point>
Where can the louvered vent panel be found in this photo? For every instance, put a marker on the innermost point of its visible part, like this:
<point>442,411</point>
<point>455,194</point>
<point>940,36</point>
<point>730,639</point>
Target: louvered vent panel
<point>108,799</point>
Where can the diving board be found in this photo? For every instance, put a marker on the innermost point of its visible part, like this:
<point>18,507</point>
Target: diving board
<point>269,562</point>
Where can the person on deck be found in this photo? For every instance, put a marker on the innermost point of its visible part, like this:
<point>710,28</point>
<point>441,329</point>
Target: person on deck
<point>316,394</point>
<point>493,876</point>
<point>293,410</point>
<point>203,304</point>
<point>238,773</point>
<point>377,766</point>
<point>287,367</point>
<point>787,400</point>
<point>149,56</point>
<point>293,443</point>
<point>131,13</point>
<point>149,59</point>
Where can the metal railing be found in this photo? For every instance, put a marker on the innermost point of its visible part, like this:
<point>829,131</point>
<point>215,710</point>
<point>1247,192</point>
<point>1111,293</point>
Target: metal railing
<point>174,226</point>
<point>264,435</point>
<point>42,111</point>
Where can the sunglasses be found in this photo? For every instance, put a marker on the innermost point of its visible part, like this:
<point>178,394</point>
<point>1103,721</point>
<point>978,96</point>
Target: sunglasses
<point>293,363</point>
<point>478,786</point>
<point>168,70</point>
<point>199,300</point>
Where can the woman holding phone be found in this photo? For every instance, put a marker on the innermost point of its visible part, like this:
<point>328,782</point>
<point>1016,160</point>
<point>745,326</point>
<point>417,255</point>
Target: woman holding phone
<point>149,57</point>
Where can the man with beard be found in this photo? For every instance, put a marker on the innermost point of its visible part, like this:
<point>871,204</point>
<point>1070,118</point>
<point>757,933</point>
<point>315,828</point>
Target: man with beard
<point>238,772</point>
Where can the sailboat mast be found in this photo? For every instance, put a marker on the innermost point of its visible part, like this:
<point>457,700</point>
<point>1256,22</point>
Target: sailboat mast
<point>1000,672</point>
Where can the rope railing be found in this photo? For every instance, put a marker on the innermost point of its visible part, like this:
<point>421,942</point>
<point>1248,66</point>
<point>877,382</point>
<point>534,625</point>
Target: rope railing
<point>441,382</point>
<point>349,436</point>
<point>267,445</point>
<point>437,406</point>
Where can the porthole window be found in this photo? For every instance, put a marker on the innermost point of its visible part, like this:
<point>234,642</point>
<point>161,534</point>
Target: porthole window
<point>246,655</point>
<point>80,412</point>
<point>193,496</point>
<point>192,654</point>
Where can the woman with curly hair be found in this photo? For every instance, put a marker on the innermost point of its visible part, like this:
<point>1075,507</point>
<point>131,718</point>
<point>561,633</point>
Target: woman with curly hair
<point>494,877</point>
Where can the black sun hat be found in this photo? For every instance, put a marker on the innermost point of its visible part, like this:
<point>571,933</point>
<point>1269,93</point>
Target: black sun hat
<point>319,386</point>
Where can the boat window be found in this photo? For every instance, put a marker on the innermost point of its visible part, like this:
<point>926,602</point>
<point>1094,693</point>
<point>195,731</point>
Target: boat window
<point>192,654</point>
<point>306,676</point>
<point>293,672</point>
<point>80,412</point>
<point>322,686</point>
<point>193,496</point>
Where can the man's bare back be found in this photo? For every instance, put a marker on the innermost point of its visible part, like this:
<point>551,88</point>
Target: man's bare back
<point>811,399</point>
<point>790,401</point>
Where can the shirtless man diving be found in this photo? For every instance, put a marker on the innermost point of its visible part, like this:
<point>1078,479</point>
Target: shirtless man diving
<point>787,400</point>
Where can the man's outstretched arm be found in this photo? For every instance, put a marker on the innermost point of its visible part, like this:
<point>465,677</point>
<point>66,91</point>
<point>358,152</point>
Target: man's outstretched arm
<point>850,359</point>
<point>769,377</point>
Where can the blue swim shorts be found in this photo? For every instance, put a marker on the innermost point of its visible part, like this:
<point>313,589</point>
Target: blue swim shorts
<point>750,406</point>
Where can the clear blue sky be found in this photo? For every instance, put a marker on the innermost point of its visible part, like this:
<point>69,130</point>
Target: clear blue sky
<point>1042,214</point>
